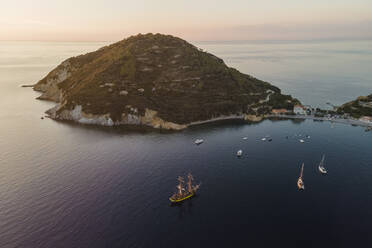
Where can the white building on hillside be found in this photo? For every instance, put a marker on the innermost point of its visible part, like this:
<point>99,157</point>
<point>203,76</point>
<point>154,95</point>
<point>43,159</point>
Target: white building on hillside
<point>367,119</point>
<point>299,110</point>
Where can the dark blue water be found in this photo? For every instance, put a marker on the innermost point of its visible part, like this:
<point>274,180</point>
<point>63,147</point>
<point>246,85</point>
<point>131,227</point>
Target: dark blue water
<point>64,185</point>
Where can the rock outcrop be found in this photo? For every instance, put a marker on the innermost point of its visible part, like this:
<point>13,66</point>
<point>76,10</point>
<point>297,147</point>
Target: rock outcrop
<point>253,118</point>
<point>155,80</point>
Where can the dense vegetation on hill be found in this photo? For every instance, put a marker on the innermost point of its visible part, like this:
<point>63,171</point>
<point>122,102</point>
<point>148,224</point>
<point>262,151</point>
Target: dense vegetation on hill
<point>362,106</point>
<point>162,73</point>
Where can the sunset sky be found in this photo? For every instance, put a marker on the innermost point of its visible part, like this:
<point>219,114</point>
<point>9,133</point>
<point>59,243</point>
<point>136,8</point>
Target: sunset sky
<point>111,20</point>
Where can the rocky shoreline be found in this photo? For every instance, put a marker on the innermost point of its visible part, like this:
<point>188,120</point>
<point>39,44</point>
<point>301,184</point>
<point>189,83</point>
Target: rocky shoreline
<point>150,119</point>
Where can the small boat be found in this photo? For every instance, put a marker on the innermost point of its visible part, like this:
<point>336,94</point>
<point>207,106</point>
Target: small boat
<point>321,167</point>
<point>245,138</point>
<point>300,182</point>
<point>263,139</point>
<point>308,136</point>
<point>182,193</point>
<point>239,153</point>
<point>270,139</point>
<point>199,141</point>
<point>302,141</point>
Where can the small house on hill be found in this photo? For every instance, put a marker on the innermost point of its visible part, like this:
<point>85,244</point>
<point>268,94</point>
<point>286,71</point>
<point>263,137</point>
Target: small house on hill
<point>299,110</point>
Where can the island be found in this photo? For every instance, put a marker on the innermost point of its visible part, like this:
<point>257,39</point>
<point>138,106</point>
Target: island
<point>159,81</point>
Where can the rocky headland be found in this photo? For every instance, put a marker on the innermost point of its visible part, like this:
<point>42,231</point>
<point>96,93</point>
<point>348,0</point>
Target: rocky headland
<point>155,80</point>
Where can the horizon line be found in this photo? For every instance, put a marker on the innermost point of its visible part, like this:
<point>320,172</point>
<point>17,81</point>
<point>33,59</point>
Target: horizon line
<point>201,41</point>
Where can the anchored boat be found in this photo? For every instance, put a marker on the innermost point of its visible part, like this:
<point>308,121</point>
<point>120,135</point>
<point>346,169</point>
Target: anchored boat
<point>183,194</point>
<point>321,167</point>
<point>199,141</point>
<point>300,182</point>
<point>239,153</point>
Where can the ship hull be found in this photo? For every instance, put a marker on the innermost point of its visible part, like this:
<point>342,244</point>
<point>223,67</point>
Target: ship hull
<point>300,184</point>
<point>181,199</point>
<point>322,170</point>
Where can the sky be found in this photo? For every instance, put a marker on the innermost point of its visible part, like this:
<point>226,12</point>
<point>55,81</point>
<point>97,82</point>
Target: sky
<point>197,20</point>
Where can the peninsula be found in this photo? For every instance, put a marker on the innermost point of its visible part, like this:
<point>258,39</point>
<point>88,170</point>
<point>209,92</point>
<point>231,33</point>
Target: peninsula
<point>155,80</point>
<point>361,107</point>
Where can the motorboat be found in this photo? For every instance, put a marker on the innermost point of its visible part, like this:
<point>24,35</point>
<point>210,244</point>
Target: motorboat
<point>239,153</point>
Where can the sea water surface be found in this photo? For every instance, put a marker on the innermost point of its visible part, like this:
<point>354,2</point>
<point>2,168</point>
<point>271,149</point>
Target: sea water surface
<point>66,185</point>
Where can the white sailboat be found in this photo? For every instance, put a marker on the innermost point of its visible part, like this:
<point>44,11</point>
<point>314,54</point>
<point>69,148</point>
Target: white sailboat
<point>321,167</point>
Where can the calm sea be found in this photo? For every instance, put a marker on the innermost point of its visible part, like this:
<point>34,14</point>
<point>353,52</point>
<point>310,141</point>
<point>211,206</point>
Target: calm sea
<point>65,185</point>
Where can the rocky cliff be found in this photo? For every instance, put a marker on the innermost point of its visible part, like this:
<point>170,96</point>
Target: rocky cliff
<point>155,80</point>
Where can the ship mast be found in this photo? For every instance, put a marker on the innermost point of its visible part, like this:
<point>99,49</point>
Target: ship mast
<point>302,170</point>
<point>189,181</point>
<point>179,186</point>
<point>322,161</point>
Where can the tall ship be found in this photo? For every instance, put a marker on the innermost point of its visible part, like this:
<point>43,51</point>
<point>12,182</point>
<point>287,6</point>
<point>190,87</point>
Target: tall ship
<point>183,194</point>
<point>300,182</point>
<point>321,167</point>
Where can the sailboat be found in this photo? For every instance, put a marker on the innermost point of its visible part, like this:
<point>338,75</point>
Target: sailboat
<point>300,182</point>
<point>182,194</point>
<point>321,167</point>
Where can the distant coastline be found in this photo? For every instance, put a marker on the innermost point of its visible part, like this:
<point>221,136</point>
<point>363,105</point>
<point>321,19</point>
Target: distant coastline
<point>354,122</point>
<point>334,120</point>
